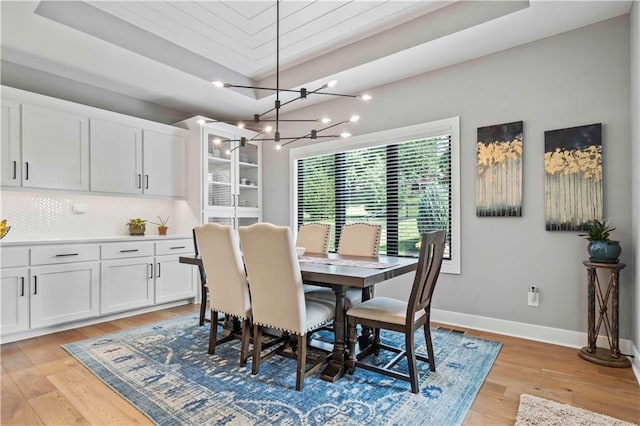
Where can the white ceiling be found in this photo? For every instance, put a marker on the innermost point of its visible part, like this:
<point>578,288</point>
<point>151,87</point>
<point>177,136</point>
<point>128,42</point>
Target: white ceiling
<point>241,35</point>
<point>167,52</point>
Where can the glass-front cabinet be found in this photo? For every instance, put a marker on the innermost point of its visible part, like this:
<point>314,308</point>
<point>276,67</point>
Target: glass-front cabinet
<point>232,182</point>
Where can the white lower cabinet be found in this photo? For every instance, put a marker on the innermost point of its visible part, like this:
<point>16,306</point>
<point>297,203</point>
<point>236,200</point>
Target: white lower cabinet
<point>15,300</point>
<point>174,280</point>
<point>64,293</point>
<point>126,284</point>
<point>46,285</point>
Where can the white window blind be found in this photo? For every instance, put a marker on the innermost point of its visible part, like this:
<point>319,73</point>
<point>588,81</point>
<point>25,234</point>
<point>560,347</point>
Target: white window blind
<point>403,186</point>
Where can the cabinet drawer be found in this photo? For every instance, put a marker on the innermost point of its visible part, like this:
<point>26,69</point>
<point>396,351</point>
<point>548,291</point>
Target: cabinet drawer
<point>14,256</point>
<point>45,255</point>
<point>127,250</point>
<point>174,247</point>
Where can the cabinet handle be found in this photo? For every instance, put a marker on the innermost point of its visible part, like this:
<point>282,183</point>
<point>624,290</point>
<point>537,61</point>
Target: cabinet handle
<point>21,286</point>
<point>35,284</point>
<point>176,247</point>
<point>150,270</point>
<point>159,270</point>
<point>26,170</point>
<point>129,251</point>
<point>15,169</point>
<point>67,254</point>
<point>146,185</point>
<point>139,181</point>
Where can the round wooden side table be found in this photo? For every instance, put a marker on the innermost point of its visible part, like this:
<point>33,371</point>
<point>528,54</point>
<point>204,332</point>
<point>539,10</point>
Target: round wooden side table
<point>603,295</point>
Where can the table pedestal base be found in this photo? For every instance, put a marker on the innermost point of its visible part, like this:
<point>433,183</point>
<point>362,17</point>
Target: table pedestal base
<point>333,371</point>
<point>603,357</point>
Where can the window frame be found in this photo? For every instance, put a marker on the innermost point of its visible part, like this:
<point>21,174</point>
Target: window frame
<point>389,137</point>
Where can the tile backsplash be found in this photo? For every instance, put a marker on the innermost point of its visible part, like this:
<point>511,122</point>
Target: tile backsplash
<point>50,215</point>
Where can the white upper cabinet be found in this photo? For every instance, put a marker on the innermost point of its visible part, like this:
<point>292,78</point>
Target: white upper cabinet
<point>56,144</point>
<point>116,158</point>
<point>10,127</point>
<point>55,149</point>
<point>163,164</point>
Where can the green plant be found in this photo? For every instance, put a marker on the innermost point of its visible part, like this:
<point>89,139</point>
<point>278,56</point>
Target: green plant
<point>598,231</point>
<point>136,222</point>
<point>162,222</point>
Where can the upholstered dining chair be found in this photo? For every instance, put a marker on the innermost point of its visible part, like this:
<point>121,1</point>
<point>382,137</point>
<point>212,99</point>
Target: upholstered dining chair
<point>314,237</point>
<point>402,317</point>
<point>356,239</point>
<point>277,297</point>
<point>226,282</point>
<point>359,239</point>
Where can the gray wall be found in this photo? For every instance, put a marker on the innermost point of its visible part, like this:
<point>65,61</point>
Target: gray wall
<point>635,161</point>
<point>576,78</point>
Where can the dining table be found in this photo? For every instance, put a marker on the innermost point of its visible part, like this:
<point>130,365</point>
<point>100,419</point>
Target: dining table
<point>339,273</point>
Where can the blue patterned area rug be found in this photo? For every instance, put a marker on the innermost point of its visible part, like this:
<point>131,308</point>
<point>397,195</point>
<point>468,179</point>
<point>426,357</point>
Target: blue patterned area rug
<point>164,370</point>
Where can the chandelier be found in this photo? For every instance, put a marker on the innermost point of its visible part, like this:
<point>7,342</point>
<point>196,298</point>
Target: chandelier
<point>265,133</point>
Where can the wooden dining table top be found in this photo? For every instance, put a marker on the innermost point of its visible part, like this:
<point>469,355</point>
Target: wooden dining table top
<point>349,275</point>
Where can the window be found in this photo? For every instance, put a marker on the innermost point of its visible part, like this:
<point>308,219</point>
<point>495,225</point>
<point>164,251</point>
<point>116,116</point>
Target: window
<point>406,180</point>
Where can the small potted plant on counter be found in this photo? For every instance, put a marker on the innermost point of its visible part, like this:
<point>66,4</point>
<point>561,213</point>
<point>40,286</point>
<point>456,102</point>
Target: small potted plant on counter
<point>601,248</point>
<point>162,225</point>
<point>137,226</point>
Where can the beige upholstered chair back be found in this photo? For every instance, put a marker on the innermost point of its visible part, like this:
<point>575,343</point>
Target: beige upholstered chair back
<point>226,278</point>
<point>314,237</point>
<point>274,277</point>
<point>359,239</point>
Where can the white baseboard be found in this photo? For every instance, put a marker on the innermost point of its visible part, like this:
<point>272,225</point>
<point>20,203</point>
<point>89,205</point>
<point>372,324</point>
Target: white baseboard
<point>540,333</point>
<point>89,321</point>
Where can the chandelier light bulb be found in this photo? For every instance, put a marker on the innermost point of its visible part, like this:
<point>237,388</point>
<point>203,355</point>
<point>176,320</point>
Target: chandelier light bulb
<point>326,120</point>
<point>332,83</point>
<point>228,152</point>
<point>366,97</point>
<point>278,146</point>
<point>218,84</point>
<point>345,134</point>
<point>217,141</point>
<point>268,129</point>
<point>241,125</point>
<point>200,121</point>
<point>354,118</point>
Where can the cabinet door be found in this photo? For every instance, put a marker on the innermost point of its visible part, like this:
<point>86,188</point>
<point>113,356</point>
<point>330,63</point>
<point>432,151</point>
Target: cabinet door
<point>163,164</point>
<point>63,293</point>
<point>219,217</point>
<point>15,300</point>
<point>174,280</point>
<point>220,187</point>
<point>249,198</point>
<point>116,158</point>
<point>126,284</point>
<point>10,128</point>
<point>55,149</point>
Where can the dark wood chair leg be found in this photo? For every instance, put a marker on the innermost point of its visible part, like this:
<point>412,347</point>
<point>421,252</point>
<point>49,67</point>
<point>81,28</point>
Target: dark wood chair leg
<point>257,348</point>
<point>411,361</point>
<point>302,361</point>
<point>429,343</point>
<point>213,332</point>
<point>203,297</point>
<point>244,342</point>
<point>351,333</point>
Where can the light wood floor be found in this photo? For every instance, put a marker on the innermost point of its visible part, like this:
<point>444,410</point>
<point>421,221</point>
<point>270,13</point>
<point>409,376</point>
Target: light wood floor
<point>42,384</point>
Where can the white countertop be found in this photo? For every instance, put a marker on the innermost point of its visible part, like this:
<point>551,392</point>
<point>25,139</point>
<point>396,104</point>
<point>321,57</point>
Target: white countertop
<point>118,238</point>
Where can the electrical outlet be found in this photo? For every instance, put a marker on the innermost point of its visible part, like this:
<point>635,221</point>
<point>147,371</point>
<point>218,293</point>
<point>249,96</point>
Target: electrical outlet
<point>79,208</point>
<point>533,298</point>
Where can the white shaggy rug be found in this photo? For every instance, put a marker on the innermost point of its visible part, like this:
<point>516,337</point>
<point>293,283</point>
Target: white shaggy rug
<point>539,411</point>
